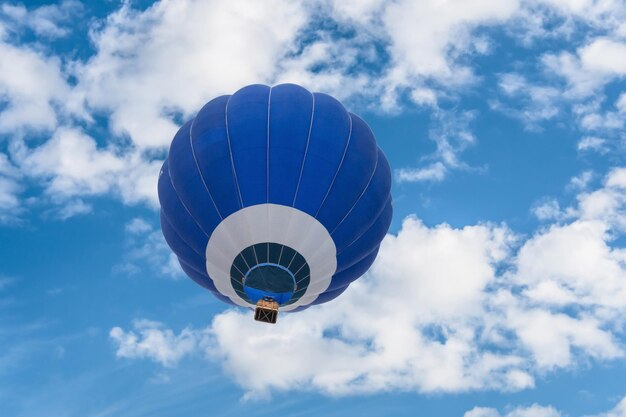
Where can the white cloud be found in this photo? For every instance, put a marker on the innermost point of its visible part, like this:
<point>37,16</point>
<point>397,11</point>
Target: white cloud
<point>482,412</point>
<point>587,66</point>
<point>440,32</point>
<point>46,20</point>
<point>602,121</point>
<point>433,172</point>
<point>594,65</point>
<point>574,265</point>
<point>72,164</point>
<point>138,226</point>
<point>552,337</point>
<point>149,340</point>
<point>372,340</point>
<point>592,143</point>
<point>424,96</point>
<point>149,64</point>
<point>604,56</point>
<point>452,135</point>
<point>74,208</point>
<point>548,210</point>
<point>451,310</point>
<point>582,181</point>
<point>532,103</point>
<point>512,83</point>
<point>534,410</point>
<point>149,71</point>
<point>585,72</point>
<point>130,76</point>
<point>608,203</point>
<point>33,86</point>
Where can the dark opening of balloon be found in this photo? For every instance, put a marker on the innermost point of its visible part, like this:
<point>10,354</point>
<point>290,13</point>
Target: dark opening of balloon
<point>269,280</point>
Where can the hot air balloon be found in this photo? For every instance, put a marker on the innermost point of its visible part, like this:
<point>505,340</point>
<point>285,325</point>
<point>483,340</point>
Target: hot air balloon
<point>275,197</point>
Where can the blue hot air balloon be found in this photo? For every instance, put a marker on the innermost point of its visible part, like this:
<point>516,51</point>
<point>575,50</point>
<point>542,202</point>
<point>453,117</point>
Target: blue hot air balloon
<point>275,196</point>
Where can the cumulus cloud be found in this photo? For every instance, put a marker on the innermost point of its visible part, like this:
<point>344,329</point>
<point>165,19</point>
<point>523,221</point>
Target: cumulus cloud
<point>32,86</point>
<point>47,21</point>
<point>372,340</point>
<point>592,143</point>
<point>548,210</point>
<point>149,72</point>
<point>433,172</point>
<point>149,65</point>
<point>587,72</point>
<point>72,164</point>
<point>448,309</point>
<point>73,208</point>
<point>149,340</point>
<point>581,181</point>
<point>572,81</point>
<point>534,410</point>
<point>441,33</point>
<point>531,103</point>
<point>130,75</point>
<point>604,56</point>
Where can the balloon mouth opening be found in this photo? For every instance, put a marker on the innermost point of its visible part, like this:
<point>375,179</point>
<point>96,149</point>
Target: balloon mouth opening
<point>269,269</point>
<point>269,280</point>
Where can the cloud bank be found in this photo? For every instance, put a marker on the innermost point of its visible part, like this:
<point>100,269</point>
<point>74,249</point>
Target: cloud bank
<point>148,72</point>
<point>443,309</point>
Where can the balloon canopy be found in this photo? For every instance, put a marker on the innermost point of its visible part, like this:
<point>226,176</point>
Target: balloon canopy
<point>275,193</point>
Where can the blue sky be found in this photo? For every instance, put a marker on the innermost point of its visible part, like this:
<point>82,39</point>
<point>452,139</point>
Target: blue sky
<point>501,286</point>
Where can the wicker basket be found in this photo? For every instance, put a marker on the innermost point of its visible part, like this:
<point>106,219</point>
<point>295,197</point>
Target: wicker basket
<point>266,311</point>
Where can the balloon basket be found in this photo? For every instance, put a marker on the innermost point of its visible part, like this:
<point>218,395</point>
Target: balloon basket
<point>266,310</point>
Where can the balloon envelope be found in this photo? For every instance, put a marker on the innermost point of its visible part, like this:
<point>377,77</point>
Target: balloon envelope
<point>275,191</point>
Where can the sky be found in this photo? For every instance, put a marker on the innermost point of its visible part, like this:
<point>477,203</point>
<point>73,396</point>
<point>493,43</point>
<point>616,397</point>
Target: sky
<point>500,290</point>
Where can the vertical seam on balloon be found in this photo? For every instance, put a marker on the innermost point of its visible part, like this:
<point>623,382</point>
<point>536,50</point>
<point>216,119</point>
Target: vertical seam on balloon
<point>198,271</point>
<point>306,150</point>
<point>338,169</point>
<point>358,199</point>
<point>203,257</point>
<point>169,174</point>
<point>230,151</point>
<point>193,153</point>
<point>267,162</point>
<point>356,262</point>
<point>368,229</point>
<point>201,272</point>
